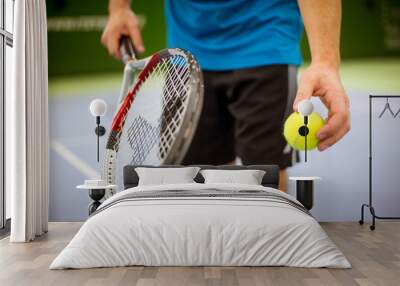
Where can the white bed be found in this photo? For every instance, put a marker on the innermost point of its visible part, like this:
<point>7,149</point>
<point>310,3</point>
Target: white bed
<point>224,225</point>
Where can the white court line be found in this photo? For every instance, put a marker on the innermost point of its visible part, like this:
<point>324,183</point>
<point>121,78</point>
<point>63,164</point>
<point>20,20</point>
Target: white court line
<point>74,160</point>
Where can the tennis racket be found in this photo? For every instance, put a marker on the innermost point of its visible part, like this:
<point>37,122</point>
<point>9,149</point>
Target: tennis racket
<point>160,105</point>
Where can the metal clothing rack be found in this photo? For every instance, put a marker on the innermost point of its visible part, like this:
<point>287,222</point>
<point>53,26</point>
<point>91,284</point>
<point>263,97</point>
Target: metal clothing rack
<point>370,205</point>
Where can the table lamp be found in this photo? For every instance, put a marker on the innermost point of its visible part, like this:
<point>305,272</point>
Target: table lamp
<point>98,108</point>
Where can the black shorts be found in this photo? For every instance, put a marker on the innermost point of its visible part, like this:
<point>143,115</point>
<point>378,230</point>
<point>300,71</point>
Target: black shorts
<point>243,115</point>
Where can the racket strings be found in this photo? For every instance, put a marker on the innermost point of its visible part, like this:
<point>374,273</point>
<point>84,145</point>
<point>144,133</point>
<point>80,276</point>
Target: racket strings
<point>141,137</point>
<point>175,95</point>
<point>141,85</point>
<point>175,91</point>
<point>155,122</point>
<point>173,75</point>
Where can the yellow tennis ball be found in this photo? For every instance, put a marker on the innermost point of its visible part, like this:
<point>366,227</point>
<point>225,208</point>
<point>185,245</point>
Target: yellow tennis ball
<point>292,126</point>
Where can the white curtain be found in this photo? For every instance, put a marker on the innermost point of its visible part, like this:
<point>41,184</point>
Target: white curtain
<point>27,124</point>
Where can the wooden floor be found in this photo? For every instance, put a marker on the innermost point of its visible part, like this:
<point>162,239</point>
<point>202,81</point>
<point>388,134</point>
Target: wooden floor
<point>375,257</point>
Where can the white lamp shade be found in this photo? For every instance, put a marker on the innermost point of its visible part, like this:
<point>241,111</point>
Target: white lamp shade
<point>98,107</point>
<point>305,107</point>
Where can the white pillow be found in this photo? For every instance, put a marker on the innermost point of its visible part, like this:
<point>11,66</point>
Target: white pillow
<point>248,177</point>
<point>163,176</point>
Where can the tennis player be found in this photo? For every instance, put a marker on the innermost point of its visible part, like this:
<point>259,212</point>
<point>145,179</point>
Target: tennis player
<point>249,52</point>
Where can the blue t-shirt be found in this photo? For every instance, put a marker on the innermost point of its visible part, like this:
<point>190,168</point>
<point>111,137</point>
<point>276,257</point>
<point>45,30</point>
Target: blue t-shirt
<point>234,34</point>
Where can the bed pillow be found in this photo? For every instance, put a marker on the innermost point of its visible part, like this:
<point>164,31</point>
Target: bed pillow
<point>164,176</point>
<point>248,177</point>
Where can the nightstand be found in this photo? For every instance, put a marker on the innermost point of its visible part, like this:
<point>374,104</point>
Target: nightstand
<point>305,190</point>
<point>97,190</point>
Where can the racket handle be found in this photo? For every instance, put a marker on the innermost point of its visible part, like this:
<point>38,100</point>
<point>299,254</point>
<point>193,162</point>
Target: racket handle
<point>127,49</point>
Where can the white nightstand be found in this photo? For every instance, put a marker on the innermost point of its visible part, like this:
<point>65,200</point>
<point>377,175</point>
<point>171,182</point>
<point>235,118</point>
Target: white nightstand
<point>97,190</point>
<point>305,190</point>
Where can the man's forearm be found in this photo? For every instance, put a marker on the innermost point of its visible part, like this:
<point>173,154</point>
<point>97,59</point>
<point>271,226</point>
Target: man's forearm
<point>322,21</point>
<point>118,4</point>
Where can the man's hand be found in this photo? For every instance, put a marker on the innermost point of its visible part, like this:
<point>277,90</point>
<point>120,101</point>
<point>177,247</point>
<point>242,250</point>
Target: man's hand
<point>121,22</point>
<point>324,81</point>
<point>322,21</point>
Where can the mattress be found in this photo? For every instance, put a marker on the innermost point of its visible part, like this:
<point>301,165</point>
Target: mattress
<point>201,225</point>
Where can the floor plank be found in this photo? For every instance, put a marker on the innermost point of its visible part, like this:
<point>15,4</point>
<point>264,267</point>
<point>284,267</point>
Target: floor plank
<point>375,257</point>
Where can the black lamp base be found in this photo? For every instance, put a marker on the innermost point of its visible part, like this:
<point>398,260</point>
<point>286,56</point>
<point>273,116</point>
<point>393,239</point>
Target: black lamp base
<point>305,193</point>
<point>96,195</point>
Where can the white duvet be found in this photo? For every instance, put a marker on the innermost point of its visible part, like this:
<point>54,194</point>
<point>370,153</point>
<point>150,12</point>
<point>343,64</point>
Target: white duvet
<point>200,231</point>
